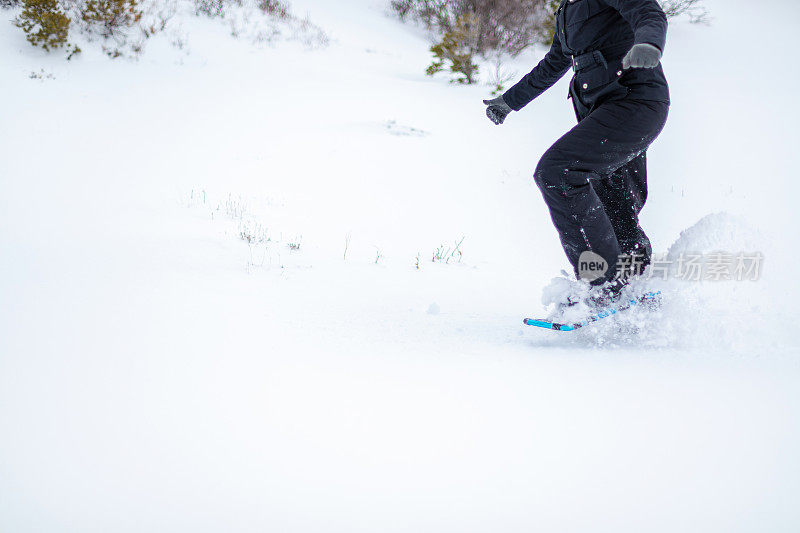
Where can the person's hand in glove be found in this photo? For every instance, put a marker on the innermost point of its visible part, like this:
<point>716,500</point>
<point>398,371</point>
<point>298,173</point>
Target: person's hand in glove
<point>642,55</point>
<point>497,110</point>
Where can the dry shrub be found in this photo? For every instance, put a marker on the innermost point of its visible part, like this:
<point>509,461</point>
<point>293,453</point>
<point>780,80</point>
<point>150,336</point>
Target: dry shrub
<point>694,9</point>
<point>507,25</point>
<point>457,51</point>
<point>111,18</point>
<point>46,24</point>
<point>510,26</point>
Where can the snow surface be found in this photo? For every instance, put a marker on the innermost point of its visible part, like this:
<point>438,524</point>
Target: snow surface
<point>158,373</point>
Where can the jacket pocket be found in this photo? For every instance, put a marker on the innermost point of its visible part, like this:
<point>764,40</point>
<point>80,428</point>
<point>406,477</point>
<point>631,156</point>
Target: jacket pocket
<point>593,78</point>
<point>601,83</point>
<point>577,12</point>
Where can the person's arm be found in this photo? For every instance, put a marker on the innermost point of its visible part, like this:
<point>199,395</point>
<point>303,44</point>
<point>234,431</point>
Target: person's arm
<point>549,70</point>
<point>647,19</point>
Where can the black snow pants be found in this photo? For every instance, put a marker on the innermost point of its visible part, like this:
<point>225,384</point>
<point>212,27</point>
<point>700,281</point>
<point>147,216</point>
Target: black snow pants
<point>594,181</point>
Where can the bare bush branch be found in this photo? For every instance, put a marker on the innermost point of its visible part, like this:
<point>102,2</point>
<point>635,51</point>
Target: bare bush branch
<point>694,9</point>
<point>510,26</point>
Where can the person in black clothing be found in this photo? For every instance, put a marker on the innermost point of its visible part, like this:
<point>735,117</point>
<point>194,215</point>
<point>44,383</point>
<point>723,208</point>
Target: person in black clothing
<point>594,179</point>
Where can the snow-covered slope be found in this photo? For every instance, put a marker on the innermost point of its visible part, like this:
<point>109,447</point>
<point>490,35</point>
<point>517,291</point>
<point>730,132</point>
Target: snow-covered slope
<point>159,373</point>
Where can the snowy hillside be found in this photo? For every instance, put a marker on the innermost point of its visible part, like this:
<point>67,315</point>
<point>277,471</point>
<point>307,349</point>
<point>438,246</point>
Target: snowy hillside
<point>219,308</point>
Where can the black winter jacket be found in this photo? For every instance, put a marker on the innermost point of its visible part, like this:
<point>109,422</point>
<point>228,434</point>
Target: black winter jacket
<point>592,37</point>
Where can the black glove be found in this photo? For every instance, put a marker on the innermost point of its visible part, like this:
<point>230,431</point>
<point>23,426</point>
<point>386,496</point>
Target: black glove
<point>642,55</point>
<point>498,110</point>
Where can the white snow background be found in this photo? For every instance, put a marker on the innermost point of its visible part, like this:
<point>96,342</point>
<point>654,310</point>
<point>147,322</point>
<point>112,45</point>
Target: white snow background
<point>159,374</point>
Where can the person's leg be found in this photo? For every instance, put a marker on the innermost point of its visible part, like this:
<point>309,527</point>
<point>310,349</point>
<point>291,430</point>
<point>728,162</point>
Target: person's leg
<point>611,137</point>
<point>623,195</point>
